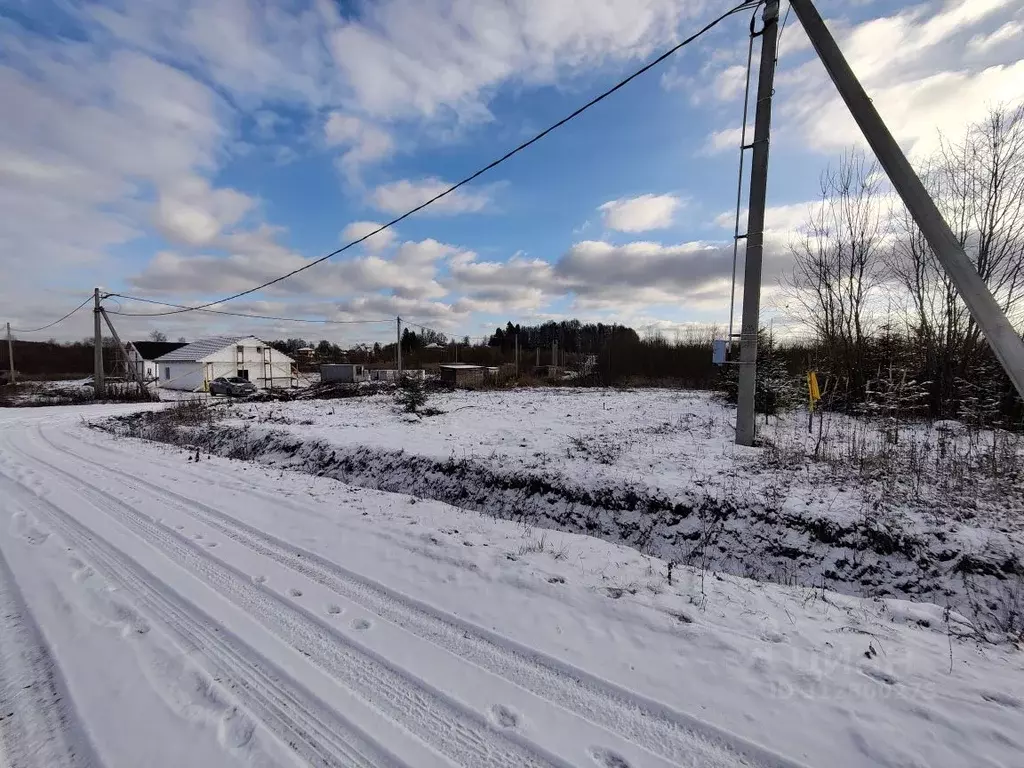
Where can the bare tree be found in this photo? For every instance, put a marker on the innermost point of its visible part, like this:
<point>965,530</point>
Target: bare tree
<point>978,183</point>
<point>155,335</point>
<point>838,267</point>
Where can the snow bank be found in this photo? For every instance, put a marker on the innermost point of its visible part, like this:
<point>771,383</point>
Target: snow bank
<point>655,470</point>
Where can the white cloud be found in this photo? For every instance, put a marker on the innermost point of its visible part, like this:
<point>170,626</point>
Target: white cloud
<point>400,196</point>
<point>358,229</point>
<point>720,141</point>
<point>418,57</point>
<point>189,211</point>
<point>1011,31</point>
<point>911,62</point>
<point>730,81</point>
<point>640,214</point>
<point>364,142</point>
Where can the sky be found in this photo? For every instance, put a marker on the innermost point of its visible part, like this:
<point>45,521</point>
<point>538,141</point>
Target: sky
<point>183,151</point>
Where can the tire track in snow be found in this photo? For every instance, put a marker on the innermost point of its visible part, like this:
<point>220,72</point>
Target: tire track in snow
<point>39,727</point>
<point>318,735</point>
<point>461,734</point>
<point>648,723</point>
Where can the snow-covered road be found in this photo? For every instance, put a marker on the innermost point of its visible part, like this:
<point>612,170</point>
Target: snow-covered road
<point>146,623</point>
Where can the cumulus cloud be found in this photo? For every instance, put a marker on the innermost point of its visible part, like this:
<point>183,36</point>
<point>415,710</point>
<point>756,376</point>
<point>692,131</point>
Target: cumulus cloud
<point>640,214</point>
<point>421,57</point>
<point>723,140</point>
<point>359,229</point>
<point>364,142</point>
<point>190,212</point>
<point>913,66</point>
<point>400,196</point>
<point>600,275</point>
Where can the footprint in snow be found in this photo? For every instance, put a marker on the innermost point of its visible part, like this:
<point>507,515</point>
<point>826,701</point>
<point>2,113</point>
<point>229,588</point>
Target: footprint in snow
<point>608,759</point>
<point>504,717</point>
<point>333,609</point>
<point>211,544</point>
<point>361,624</point>
<point>295,592</point>
<point>261,579</point>
<point>880,675</point>
<point>556,580</point>
<point>1003,699</point>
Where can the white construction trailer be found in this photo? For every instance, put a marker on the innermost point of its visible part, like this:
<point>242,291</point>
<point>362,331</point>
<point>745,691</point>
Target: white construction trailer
<point>192,367</point>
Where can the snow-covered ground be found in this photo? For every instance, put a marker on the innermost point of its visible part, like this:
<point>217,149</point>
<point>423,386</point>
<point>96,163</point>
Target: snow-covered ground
<point>159,611</point>
<point>925,517</point>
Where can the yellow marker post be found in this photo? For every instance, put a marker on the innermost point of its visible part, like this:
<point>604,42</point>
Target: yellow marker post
<point>814,395</point>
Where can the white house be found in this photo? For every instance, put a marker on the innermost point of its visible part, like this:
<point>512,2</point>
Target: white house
<point>142,356</point>
<point>193,366</point>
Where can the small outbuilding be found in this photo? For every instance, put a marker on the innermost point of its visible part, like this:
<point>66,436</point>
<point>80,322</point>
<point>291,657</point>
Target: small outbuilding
<point>142,356</point>
<point>193,366</point>
<point>346,373</point>
<point>462,374</point>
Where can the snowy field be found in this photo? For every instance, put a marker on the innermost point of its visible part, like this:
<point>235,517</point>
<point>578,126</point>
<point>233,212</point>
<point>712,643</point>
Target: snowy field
<point>930,513</point>
<point>159,611</point>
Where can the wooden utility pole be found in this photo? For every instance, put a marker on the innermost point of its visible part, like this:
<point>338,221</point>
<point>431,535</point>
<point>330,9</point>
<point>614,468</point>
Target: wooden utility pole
<point>98,383</point>
<point>517,349</point>
<point>999,332</point>
<point>10,352</point>
<point>755,227</point>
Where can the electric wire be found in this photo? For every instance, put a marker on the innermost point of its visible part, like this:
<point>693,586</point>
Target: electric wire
<point>778,51</point>
<point>235,314</point>
<point>55,322</point>
<point>473,176</point>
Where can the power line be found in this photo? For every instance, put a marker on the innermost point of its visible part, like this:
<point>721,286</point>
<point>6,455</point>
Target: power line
<point>59,320</point>
<point>232,314</point>
<point>782,29</point>
<point>490,166</point>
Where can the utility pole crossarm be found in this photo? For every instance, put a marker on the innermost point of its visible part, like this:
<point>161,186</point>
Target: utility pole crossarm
<point>999,332</point>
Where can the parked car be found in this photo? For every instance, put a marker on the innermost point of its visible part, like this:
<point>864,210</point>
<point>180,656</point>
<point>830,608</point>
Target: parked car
<point>234,386</point>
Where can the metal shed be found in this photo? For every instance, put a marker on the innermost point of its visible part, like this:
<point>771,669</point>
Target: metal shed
<point>462,374</point>
<point>349,373</point>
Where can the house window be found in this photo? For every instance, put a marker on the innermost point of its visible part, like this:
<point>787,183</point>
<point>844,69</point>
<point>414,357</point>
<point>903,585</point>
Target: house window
<point>167,372</point>
<point>241,348</point>
<point>259,350</point>
<point>243,374</point>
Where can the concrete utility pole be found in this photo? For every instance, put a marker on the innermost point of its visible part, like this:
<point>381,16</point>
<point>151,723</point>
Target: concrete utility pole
<point>745,413</point>
<point>1000,334</point>
<point>398,323</point>
<point>128,366</point>
<point>10,352</point>
<point>98,384</point>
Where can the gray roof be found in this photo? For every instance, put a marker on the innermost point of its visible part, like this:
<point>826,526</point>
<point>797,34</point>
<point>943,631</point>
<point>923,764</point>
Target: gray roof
<point>203,348</point>
<point>197,350</point>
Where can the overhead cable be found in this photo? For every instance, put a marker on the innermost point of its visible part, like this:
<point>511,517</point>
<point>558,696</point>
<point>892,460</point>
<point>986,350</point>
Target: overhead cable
<point>58,320</point>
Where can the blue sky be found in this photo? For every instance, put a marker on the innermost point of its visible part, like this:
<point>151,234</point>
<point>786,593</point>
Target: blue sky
<point>185,151</point>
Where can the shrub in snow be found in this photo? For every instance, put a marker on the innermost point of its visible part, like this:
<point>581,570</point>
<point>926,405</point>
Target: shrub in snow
<point>777,390</point>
